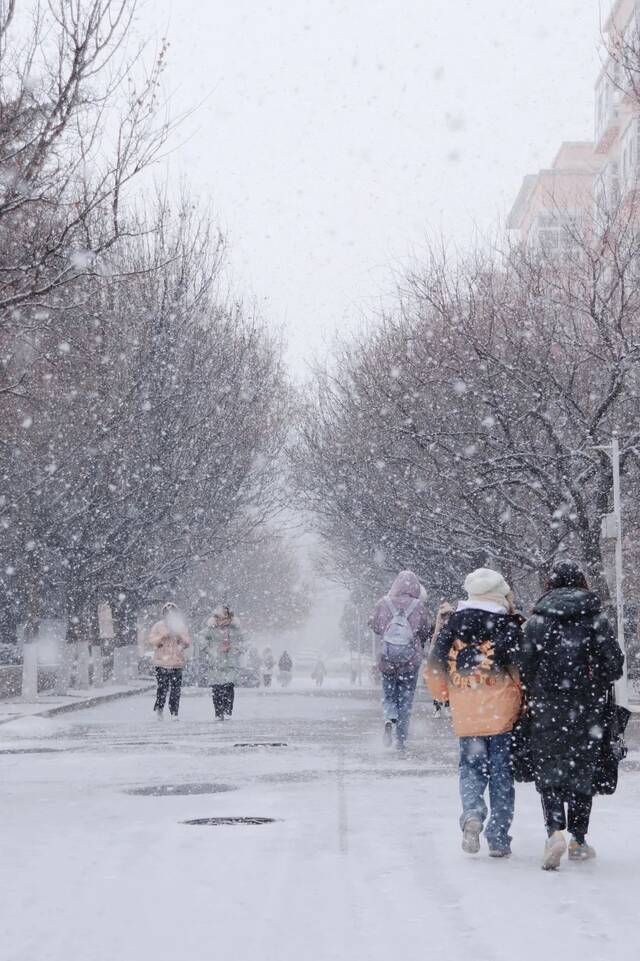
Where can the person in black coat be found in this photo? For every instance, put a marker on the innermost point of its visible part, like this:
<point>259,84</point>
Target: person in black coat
<point>570,658</point>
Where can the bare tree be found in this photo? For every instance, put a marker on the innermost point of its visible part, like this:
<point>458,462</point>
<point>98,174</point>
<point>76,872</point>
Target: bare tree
<point>161,450</point>
<point>67,94</point>
<point>259,577</point>
<point>463,427</point>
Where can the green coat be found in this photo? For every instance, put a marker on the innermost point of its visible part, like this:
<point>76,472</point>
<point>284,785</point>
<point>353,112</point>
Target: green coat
<point>223,650</point>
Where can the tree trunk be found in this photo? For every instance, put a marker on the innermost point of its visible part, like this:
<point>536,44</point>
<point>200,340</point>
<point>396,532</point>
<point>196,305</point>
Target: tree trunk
<point>69,652</point>
<point>125,625</point>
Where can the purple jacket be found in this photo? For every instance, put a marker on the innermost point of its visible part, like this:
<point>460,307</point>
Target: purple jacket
<point>404,590</point>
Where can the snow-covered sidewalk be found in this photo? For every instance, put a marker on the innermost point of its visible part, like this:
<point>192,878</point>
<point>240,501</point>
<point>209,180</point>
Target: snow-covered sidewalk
<point>49,705</point>
<point>362,860</point>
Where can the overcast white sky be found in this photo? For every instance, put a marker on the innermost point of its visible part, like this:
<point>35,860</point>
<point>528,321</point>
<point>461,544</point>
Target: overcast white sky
<point>337,133</point>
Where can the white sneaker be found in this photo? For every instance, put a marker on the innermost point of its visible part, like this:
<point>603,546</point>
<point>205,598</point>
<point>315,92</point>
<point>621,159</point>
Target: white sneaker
<point>471,836</point>
<point>174,717</point>
<point>554,850</point>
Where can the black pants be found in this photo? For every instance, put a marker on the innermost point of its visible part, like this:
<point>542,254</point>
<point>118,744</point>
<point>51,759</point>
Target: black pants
<point>576,818</point>
<point>169,680</point>
<point>223,696</point>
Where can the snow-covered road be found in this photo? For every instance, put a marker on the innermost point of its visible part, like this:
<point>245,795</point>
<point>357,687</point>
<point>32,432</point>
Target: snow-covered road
<point>362,862</point>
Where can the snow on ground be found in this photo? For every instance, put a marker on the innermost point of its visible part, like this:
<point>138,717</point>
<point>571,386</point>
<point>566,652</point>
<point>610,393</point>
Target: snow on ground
<point>363,861</point>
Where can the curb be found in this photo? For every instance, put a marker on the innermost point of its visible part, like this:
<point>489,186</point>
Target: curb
<point>81,704</point>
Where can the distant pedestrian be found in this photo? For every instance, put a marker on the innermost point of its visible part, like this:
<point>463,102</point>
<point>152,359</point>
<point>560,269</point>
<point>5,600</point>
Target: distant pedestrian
<point>569,662</point>
<point>169,639</point>
<point>319,672</point>
<point>400,622</point>
<point>254,661</point>
<point>224,647</point>
<point>474,664</point>
<point>285,668</point>
<point>268,664</point>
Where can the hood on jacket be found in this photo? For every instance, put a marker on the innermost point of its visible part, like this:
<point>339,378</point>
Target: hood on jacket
<point>568,603</point>
<point>405,588</point>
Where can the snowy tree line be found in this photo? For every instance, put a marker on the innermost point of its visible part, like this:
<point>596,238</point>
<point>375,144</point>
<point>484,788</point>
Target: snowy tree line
<point>461,426</point>
<point>142,408</point>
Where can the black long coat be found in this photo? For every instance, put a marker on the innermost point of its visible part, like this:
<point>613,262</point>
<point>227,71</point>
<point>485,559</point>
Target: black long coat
<point>569,659</point>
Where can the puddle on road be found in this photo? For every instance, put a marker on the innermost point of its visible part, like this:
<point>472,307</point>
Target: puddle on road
<point>261,744</point>
<point>292,777</point>
<point>218,822</point>
<point>180,790</point>
<point>412,772</point>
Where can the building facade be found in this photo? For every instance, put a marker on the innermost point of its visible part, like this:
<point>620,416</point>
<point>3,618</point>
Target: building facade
<point>589,178</point>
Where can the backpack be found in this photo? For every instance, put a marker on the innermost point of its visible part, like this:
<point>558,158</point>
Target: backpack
<point>398,640</point>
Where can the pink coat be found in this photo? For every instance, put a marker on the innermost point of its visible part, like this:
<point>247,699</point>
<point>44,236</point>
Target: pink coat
<point>169,647</point>
<point>404,590</point>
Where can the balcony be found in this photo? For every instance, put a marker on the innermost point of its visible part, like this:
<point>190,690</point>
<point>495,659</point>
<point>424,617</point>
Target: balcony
<point>608,100</point>
<point>617,15</point>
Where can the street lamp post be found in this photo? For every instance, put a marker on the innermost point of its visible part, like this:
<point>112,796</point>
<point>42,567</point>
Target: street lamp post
<point>613,451</point>
<point>359,636</point>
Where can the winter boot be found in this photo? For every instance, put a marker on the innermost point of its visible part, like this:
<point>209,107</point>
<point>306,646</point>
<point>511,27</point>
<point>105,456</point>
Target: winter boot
<point>554,851</point>
<point>387,734</point>
<point>580,851</point>
<point>471,835</point>
<point>158,713</point>
<point>503,851</point>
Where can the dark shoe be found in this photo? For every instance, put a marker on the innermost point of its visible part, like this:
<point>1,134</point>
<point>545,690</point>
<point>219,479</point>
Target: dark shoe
<point>500,852</point>
<point>387,734</point>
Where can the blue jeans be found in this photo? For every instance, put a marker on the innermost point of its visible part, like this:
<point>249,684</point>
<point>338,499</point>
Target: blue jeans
<point>398,688</point>
<point>487,760</point>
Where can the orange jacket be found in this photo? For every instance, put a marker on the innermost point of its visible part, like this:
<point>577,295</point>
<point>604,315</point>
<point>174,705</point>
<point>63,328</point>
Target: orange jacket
<point>485,696</point>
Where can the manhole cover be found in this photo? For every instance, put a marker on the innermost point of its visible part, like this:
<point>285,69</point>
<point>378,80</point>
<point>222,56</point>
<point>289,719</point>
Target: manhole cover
<point>179,790</point>
<point>214,822</point>
<point>261,744</point>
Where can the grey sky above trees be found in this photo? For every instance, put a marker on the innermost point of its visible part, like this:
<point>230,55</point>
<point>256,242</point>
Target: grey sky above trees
<point>335,135</point>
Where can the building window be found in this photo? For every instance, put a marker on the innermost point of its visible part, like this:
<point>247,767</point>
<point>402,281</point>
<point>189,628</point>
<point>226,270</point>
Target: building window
<point>557,232</point>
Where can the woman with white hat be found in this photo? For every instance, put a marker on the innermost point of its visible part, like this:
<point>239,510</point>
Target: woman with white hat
<point>473,664</point>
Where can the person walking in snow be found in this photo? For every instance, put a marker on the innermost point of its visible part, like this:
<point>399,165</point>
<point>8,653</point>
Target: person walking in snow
<point>474,664</point>
<point>268,664</point>
<point>570,659</point>
<point>285,667</point>
<point>319,672</point>
<point>224,647</point>
<point>169,639</point>
<point>400,622</point>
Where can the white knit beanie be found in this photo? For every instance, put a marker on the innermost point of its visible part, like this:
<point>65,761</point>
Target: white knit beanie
<point>484,581</point>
